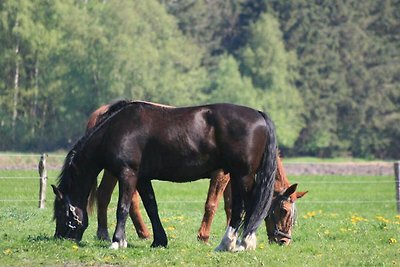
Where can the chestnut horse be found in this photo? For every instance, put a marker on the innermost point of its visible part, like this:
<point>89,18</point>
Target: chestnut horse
<point>137,142</point>
<point>278,228</point>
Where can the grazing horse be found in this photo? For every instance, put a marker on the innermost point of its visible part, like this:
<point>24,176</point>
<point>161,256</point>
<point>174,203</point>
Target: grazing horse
<point>280,219</point>
<point>138,142</point>
<point>279,223</point>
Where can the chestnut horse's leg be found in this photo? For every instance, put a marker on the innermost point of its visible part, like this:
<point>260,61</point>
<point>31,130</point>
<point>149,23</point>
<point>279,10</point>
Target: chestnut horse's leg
<point>127,186</point>
<point>136,216</point>
<point>150,204</point>
<point>218,183</point>
<point>104,193</point>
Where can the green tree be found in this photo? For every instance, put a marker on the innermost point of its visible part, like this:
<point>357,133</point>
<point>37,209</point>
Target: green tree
<point>229,85</point>
<point>273,72</point>
<point>347,52</point>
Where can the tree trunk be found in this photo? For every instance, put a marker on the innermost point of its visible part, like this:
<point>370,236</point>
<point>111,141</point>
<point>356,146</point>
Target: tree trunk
<point>16,91</point>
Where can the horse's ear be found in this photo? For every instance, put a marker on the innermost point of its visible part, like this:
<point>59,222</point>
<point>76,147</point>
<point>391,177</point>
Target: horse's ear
<point>57,192</point>
<point>300,194</point>
<point>290,190</point>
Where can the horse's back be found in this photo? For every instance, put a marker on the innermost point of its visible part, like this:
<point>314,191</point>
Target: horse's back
<point>188,143</point>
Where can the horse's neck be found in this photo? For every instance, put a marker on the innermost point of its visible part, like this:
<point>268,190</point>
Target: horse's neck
<point>83,182</point>
<point>281,180</point>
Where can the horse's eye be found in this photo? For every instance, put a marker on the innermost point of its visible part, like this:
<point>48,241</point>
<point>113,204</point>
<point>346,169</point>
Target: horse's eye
<point>284,212</point>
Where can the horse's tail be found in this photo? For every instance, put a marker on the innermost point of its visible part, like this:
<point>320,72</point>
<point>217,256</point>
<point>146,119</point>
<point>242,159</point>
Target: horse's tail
<point>264,183</point>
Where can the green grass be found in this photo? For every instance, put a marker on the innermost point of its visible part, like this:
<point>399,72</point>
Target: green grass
<point>343,221</point>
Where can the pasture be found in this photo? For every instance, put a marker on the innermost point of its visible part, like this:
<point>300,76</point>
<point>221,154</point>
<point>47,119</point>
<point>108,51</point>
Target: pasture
<point>342,221</point>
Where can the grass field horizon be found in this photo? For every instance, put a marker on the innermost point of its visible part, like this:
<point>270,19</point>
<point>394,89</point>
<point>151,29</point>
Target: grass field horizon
<point>343,221</point>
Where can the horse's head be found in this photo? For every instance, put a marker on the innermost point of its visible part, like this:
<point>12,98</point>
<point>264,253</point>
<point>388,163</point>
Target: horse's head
<point>282,215</point>
<point>71,221</point>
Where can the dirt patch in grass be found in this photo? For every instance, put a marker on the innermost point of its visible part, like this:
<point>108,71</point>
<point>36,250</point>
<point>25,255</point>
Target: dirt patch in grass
<point>54,162</point>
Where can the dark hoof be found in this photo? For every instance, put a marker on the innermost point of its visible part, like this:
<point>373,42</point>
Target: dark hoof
<point>103,236</point>
<point>157,244</point>
<point>203,238</point>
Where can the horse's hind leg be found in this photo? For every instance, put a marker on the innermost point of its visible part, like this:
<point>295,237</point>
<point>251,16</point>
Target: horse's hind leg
<point>228,242</point>
<point>150,204</point>
<point>104,193</point>
<point>127,186</point>
<point>136,217</point>
<point>241,190</point>
<point>218,183</point>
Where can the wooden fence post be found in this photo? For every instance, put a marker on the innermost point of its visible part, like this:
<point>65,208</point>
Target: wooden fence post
<point>43,180</point>
<point>397,177</point>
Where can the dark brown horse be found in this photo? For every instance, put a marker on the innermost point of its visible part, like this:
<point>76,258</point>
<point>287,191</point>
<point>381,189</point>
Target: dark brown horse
<point>279,222</point>
<point>138,142</point>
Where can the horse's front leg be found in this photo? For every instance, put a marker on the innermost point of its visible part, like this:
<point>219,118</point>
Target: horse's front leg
<point>218,183</point>
<point>150,204</point>
<point>127,185</point>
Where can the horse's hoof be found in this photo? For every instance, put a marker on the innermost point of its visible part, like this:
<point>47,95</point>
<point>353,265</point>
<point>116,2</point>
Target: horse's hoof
<point>157,244</point>
<point>103,235</point>
<point>114,246</point>
<point>228,242</point>
<point>118,245</point>
<point>143,235</point>
<point>248,243</point>
<point>203,238</point>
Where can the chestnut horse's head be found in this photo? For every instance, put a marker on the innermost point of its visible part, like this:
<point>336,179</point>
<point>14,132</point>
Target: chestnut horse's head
<point>282,215</point>
<point>71,221</point>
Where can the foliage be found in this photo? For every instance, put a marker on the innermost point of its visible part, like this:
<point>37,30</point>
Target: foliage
<point>327,71</point>
<point>273,71</point>
<point>97,52</point>
<point>346,52</point>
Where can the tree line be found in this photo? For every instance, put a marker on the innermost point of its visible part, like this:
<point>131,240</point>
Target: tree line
<point>326,71</point>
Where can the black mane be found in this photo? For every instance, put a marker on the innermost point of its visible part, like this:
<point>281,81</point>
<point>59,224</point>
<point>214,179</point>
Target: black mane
<point>64,179</point>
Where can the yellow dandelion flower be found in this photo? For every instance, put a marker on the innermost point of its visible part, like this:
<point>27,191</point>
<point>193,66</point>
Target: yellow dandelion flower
<point>392,241</point>
<point>107,259</point>
<point>310,214</point>
<point>75,247</point>
<point>382,219</point>
<point>170,228</point>
<point>356,219</point>
<point>7,251</point>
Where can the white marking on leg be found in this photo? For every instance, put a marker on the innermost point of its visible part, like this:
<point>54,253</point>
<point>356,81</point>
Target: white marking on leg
<point>249,242</point>
<point>228,242</point>
<point>114,246</point>
<point>117,245</point>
